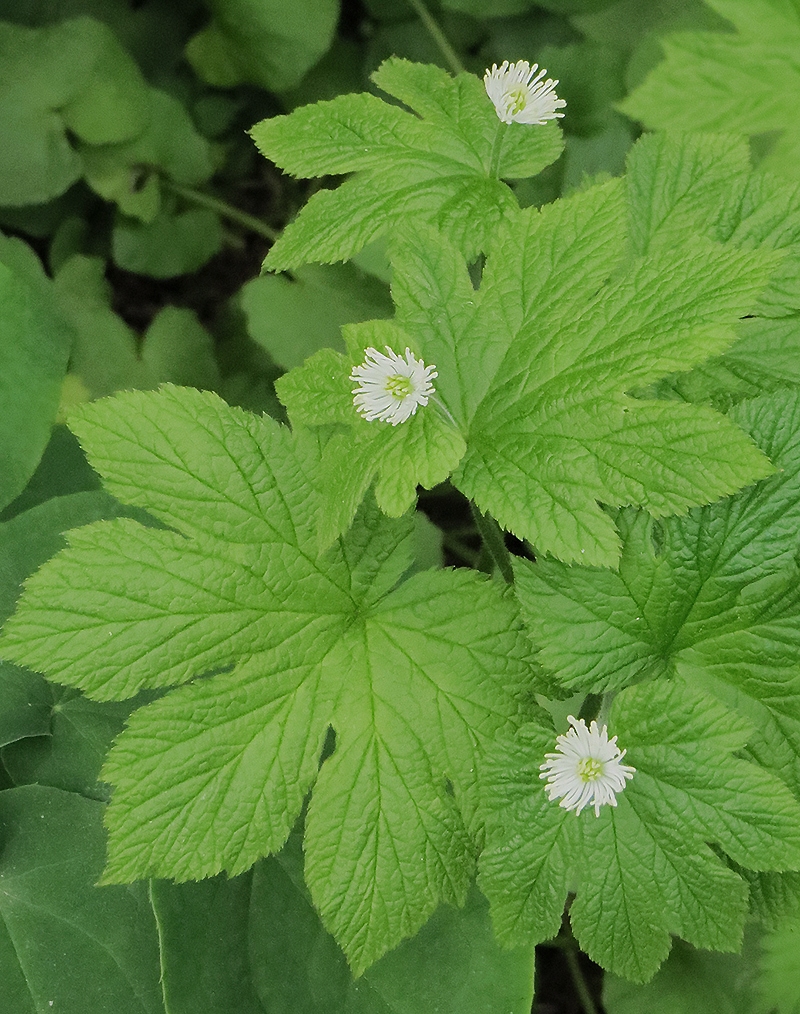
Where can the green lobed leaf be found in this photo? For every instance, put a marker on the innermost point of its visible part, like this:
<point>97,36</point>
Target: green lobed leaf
<point>415,680</point>
<point>556,432</point>
<point>643,870</point>
<point>432,167</point>
<point>713,595</point>
<point>744,82</point>
<point>700,183</point>
<point>535,367</point>
<point>66,944</point>
<point>677,184</point>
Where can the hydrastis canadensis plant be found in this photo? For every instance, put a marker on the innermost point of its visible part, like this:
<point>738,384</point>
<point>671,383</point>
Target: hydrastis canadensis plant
<point>585,769</point>
<point>521,95</point>
<point>615,409</point>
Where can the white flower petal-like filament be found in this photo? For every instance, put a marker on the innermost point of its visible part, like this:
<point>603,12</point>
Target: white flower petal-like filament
<point>521,95</point>
<point>391,387</point>
<point>585,770</point>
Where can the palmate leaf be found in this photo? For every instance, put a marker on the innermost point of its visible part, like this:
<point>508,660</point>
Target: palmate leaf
<point>433,167</point>
<point>745,82</point>
<point>698,182</point>
<point>413,679</point>
<point>643,870</point>
<point>714,596</point>
<point>533,368</point>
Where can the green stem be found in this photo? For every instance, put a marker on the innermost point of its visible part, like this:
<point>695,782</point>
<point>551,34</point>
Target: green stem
<point>438,36</point>
<point>249,222</point>
<point>492,536</point>
<point>578,980</point>
<point>494,165</point>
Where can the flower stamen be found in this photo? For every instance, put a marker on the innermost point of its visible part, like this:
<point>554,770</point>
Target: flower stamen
<point>520,95</point>
<point>391,387</point>
<point>585,770</point>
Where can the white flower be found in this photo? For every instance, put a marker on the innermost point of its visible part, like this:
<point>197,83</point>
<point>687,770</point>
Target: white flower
<point>518,95</point>
<point>586,771</point>
<point>390,388</point>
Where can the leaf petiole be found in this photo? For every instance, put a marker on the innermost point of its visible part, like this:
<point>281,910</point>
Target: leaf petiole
<point>438,36</point>
<point>249,222</point>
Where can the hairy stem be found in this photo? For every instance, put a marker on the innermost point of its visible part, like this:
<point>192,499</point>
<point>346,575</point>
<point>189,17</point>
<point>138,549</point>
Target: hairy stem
<point>438,36</point>
<point>249,222</point>
<point>579,982</point>
<point>493,541</point>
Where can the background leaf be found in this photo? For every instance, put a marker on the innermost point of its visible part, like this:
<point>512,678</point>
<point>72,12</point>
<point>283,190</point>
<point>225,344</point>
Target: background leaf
<point>294,317</point>
<point>171,244</point>
<point>269,43</point>
<point>35,342</point>
<point>744,82</point>
<point>63,940</point>
<point>69,76</point>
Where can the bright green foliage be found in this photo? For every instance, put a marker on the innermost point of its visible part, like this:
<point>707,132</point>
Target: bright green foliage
<point>534,367</point>
<point>434,167</point>
<point>713,595</point>
<point>35,340</point>
<point>745,82</point>
<point>415,681</point>
<point>292,318</point>
<point>698,182</point>
<point>643,870</point>
<point>63,940</point>
<point>556,432</point>
<point>71,76</point>
<point>425,449</point>
<point>269,43</point>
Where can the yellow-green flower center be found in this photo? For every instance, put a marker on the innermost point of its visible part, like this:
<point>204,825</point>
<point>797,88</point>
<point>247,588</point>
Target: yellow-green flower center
<point>516,100</point>
<point>589,769</point>
<point>399,386</point>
